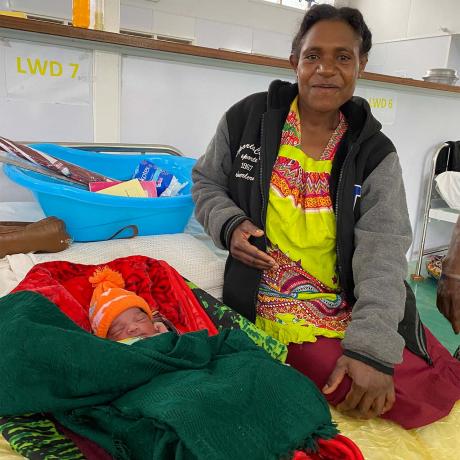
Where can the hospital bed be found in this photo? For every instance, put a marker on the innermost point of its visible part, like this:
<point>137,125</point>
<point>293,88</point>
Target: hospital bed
<point>194,256</point>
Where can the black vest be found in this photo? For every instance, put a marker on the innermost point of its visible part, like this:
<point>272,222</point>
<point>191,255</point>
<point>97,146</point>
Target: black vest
<point>255,125</point>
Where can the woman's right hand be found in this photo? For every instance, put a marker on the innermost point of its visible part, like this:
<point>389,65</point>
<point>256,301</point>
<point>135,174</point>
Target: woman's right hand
<point>242,250</point>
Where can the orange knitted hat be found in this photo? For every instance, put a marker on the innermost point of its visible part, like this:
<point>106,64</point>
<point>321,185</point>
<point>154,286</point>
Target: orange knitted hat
<point>110,300</point>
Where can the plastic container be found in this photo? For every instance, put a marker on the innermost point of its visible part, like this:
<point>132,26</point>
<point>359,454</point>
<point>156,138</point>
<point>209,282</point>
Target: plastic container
<point>81,13</point>
<point>88,14</point>
<point>441,75</point>
<point>94,217</point>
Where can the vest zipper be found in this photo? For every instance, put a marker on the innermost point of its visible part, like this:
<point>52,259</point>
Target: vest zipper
<point>338,214</point>
<point>262,211</point>
<point>421,345</point>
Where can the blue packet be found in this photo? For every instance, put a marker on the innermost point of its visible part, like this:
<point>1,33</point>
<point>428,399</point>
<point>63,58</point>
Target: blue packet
<point>165,181</point>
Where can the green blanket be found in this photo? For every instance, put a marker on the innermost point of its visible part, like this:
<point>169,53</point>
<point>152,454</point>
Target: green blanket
<point>167,397</point>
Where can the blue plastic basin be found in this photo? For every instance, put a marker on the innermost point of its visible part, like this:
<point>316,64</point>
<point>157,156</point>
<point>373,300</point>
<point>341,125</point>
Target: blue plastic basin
<point>94,217</point>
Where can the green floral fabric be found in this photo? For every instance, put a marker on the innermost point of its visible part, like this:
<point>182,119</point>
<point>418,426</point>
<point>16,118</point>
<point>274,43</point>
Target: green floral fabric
<point>226,318</point>
<point>35,436</point>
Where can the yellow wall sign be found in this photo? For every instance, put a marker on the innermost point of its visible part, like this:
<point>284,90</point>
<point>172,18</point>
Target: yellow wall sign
<point>49,74</point>
<point>383,105</point>
<point>44,67</point>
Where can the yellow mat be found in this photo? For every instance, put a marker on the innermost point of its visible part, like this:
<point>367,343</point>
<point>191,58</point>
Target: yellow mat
<point>5,451</point>
<point>379,439</point>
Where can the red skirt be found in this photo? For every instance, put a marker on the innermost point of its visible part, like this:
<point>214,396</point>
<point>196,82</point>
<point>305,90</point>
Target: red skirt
<point>424,393</point>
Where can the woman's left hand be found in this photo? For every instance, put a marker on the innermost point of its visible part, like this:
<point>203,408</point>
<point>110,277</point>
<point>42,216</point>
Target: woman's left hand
<point>372,392</point>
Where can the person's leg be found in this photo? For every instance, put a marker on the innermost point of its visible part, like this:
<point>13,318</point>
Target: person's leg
<point>317,360</point>
<point>424,393</point>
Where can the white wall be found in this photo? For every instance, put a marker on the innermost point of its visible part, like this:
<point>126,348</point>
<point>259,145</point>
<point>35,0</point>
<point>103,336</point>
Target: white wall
<point>41,107</point>
<point>409,58</point>
<point>411,36</point>
<point>240,25</point>
<point>453,61</point>
<point>398,19</point>
<point>387,19</point>
<point>423,119</point>
<point>248,13</point>
<point>55,8</point>
<point>183,103</point>
<point>430,17</point>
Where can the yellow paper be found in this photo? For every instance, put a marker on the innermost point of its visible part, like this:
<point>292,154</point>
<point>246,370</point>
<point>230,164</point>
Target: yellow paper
<point>15,14</point>
<point>131,188</point>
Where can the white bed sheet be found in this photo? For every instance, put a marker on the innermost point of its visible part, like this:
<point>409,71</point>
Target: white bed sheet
<point>191,253</point>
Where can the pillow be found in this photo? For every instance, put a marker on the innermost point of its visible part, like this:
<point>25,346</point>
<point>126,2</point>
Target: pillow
<point>448,186</point>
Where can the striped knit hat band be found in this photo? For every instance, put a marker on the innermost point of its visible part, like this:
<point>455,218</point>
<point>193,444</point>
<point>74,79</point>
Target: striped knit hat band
<point>109,300</point>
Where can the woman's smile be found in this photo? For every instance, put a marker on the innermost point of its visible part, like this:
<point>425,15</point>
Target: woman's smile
<point>325,89</point>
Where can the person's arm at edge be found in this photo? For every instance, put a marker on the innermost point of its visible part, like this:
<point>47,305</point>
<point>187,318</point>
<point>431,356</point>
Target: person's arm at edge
<point>448,298</point>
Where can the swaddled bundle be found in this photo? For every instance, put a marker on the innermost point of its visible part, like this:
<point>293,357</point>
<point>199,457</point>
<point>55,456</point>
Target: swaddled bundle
<point>192,396</point>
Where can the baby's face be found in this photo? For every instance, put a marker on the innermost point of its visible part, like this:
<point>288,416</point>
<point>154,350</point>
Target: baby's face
<point>134,322</point>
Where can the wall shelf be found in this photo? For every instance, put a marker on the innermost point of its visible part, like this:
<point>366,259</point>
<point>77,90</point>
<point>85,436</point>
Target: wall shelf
<point>145,43</point>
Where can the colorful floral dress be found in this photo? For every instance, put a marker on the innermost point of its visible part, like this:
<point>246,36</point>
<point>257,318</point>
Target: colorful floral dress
<point>301,298</point>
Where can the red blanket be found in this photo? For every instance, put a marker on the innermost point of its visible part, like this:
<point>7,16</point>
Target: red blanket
<point>338,448</point>
<point>66,284</point>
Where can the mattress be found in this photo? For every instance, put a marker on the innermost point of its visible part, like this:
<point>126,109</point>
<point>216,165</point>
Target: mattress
<point>187,254</point>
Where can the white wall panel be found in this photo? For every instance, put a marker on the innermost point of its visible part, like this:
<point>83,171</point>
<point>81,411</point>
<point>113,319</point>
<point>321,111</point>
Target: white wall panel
<point>54,8</point>
<point>396,19</point>
<point>179,103</point>
<point>248,13</point>
<point>174,25</point>
<point>454,55</point>
<point>136,18</point>
<point>430,17</point>
<point>387,19</point>
<point>222,35</point>
<point>409,58</point>
<point>32,118</point>
<point>271,43</point>
<point>106,96</point>
<point>240,25</point>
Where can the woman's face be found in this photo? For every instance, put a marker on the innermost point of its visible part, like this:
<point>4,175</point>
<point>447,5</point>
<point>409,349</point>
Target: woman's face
<point>328,65</point>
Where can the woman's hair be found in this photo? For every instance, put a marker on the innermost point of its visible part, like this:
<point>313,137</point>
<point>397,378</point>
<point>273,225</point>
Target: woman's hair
<point>351,16</point>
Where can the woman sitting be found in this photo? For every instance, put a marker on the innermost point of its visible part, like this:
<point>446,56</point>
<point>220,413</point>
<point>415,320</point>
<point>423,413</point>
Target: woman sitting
<point>306,192</point>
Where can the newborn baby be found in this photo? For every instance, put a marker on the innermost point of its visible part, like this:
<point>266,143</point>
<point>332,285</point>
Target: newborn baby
<point>116,313</point>
<point>134,322</point>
